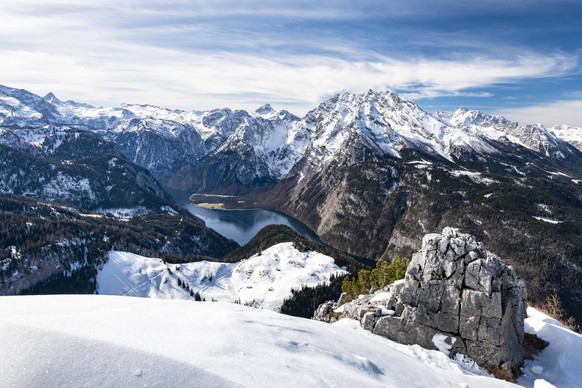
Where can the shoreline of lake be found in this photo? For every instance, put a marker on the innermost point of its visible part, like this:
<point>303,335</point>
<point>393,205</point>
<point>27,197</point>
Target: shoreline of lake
<point>240,224</point>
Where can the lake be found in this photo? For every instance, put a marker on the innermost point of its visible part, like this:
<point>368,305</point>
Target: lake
<point>242,225</point>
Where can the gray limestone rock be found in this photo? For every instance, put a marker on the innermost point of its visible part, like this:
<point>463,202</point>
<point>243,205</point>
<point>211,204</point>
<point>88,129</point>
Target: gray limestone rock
<point>454,289</point>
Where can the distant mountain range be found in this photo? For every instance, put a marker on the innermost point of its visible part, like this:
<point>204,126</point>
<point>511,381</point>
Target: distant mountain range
<point>371,173</point>
<point>262,147</point>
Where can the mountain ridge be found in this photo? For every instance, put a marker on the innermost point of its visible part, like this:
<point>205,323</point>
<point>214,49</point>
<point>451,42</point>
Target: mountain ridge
<point>370,172</point>
<point>385,121</point>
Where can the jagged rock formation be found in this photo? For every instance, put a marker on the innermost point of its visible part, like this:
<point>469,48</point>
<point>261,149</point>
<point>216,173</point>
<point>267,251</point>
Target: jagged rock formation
<point>456,297</point>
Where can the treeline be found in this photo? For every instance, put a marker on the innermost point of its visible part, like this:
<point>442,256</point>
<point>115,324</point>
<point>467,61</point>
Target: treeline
<point>306,300</point>
<point>367,281</point>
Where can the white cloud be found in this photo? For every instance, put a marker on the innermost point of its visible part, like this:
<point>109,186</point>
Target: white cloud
<point>130,52</point>
<point>202,80</point>
<point>557,113</point>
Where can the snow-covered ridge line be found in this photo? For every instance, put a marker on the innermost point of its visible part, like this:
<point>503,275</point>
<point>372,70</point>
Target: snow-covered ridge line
<point>264,280</point>
<point>383,121</point>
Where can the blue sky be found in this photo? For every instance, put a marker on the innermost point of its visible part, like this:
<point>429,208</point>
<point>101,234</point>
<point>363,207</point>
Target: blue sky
<point>513,57</point>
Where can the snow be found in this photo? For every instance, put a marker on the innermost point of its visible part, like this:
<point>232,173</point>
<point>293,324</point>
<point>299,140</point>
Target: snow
<point>96,340</point>
<point>264,280</point>
<point>556,173</point>
<point>572,135</point>
<point>474,176</point>
<point>380,296</point>
<point>384,122</point>
<point>124,214</point>
<point>169,210</point>
<point>4,264</point>
<point>543,207</point>
<point>559,364</point>
<point>440,341</point>
<point>91,215</point>
<point>422,162</point>
<point>65,187</point>
<point>548,220</point>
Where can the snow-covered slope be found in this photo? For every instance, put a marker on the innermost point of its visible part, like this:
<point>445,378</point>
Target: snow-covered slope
<point>263,280</point>
<point>572,135</point>
<point>57,341</point>
<point>383,122</point>
<point>559,364</point>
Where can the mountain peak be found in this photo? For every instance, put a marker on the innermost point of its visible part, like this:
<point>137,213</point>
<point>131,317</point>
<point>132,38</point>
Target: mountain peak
<point>265,110</point>
<point>52,99</point>
<point>382,100</point>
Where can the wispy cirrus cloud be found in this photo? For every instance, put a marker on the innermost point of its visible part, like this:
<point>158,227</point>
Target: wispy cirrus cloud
<point>200,54</point>
<point>208,80</point>
<point>555,113</point>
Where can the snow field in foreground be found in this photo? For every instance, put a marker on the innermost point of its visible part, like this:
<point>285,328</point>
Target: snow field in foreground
<point>96,340</point>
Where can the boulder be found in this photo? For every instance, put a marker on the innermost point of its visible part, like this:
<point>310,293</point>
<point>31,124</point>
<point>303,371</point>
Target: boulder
<point>455,293</point>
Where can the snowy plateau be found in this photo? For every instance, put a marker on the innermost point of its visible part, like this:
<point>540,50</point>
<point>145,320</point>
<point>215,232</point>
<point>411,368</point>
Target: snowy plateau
<point>106,341</point>
<point>263,280</point>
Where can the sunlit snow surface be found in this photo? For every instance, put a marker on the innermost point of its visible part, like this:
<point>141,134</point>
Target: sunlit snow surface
<point>264,280</point>
<point>561,362</point>
<point>99,341</point>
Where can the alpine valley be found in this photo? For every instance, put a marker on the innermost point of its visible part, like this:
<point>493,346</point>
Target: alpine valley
<point>370,173</point>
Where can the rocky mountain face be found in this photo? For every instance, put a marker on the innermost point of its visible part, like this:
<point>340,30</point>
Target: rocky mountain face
<point>209,151</point>
<point>377,195</point>
<point>67,196</point>
<point>77,167</point>
<point>371,173</point>
<point>457,297</point>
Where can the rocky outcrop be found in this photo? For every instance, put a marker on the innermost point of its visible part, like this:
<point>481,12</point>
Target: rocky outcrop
<point>456,297</point>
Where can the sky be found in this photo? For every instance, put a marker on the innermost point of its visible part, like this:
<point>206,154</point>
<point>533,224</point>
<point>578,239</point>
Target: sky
<point>518,58</point>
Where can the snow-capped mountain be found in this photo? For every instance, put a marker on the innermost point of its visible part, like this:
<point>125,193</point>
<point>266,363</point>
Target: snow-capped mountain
<point>260,150</point>
<point>384,123</point>
<point>208,151</point>
<point>21,108</point>
<point>78,167</point>
<point>572,135</point>
<point>370,172</point>
<point>264,280</point>
<point>479,124</point>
